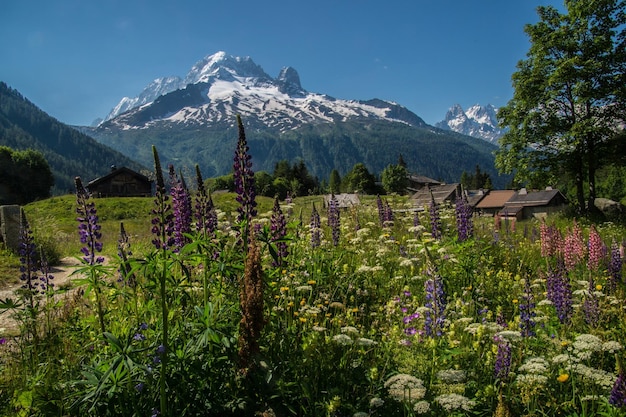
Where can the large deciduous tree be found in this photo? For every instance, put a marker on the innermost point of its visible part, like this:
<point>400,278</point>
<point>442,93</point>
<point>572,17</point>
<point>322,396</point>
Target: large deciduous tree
<point>569,96</point>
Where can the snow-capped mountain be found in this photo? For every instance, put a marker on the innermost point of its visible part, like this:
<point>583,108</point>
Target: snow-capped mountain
<point>220,86</point>
<point>477,121</point>
<point>155,89</point>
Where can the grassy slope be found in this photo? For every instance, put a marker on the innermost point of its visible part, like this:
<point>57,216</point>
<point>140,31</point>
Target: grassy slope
<point>54,221</point>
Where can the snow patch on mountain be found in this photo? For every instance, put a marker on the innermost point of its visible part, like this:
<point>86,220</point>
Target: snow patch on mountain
<point>221,86</point>
<point>477,121</point>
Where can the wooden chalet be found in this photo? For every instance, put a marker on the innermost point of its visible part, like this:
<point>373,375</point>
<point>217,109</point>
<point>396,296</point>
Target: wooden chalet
<point>441,193</point>
<point>533,204</point>
<point>121,182</point>
<point>418,182</point>
<point>492,203</point>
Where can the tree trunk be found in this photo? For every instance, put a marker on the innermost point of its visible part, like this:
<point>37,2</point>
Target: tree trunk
<point>591,172</point>
<point>579,179</point>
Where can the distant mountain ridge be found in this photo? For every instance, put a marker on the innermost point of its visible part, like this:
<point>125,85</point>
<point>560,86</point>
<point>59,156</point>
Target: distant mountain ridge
<point>68,152</point>
<point>477,121</point>
<point>194,123</point>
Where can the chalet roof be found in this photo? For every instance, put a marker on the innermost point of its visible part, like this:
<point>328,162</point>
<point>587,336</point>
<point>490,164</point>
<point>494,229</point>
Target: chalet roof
<point>421,179</point>
<point>535,198</point>
<point>117,171</point>
<point>475,196</point>
<point>440,193</point>
<point>344,200</point>
<point>495,199</point>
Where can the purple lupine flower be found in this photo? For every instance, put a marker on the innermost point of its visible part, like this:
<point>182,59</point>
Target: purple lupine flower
<point>464,223</point>
<point>388,214</point>
<point>435,221</point>
<point>315,228</point>
<point>28,263</point>
<point>334,221</point>
<point>381,210</point>
<point>502,365</point>
<point>615,268</point>
<point>45,285</point>
<point>560,291</point>
<point>2,341</point>
<point>596,249</point>
<point>88,227</point>
<point>163,220</point>
<point>591,305</point>
<point>244,183</point>
<point>618,392</point>
<point>206,216</point>
<point>434,317</point>
<point>278,230</point>
<point>527,311</point>
<point>181,208</point>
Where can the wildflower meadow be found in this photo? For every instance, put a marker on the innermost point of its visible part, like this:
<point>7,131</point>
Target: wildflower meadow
<point>298,308</point>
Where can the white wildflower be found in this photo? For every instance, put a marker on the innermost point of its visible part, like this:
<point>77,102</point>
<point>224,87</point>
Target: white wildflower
<point>342,339</point>
<point>533,380</point>
<point>451,376</point>
<point>587,342</point>
<point>362,341</point>
<point>406,262</point>
<point>611,346</point>
<point>364,268</point>
<point>534,365</point>
<point>451,402</point>
<point>403,387</point>
<point>510,335</point>
<point>376,402</point>
<point>421,407</point>
<point>349,330</point>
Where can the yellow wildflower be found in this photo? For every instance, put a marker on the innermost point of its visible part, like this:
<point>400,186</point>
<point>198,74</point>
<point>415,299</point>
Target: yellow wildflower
<point>562,377</point>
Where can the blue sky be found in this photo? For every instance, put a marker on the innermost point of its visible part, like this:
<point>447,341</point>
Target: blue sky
<point>76,59</point>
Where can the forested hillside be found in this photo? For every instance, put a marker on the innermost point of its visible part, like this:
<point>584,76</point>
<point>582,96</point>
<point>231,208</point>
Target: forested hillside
<point>69,152</point>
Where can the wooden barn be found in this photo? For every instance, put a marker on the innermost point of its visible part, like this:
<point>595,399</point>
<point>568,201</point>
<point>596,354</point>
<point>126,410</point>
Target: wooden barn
<point>442,193</point>
<point>121,182</point>
<point>493,202</point>
<point>534,204</point>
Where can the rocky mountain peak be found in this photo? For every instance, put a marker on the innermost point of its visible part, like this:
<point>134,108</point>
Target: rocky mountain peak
<point>477,121</point>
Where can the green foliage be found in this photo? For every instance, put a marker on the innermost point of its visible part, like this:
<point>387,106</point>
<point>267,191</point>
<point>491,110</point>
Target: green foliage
<point>334,183</point>
<point>477,180</point>
<point>25,176</point>
<point>394,179</point>
<point>568,96</point>
<point>323,147</point>
<point>359,180</point>
<point>344,325</point>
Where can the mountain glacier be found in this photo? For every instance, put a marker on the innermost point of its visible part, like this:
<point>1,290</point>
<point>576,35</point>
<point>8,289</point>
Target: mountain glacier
<point>477,121</point>
<point>220,86</point>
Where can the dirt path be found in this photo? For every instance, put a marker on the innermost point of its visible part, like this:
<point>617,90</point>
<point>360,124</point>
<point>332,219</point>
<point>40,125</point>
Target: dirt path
<point>62,279</point>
